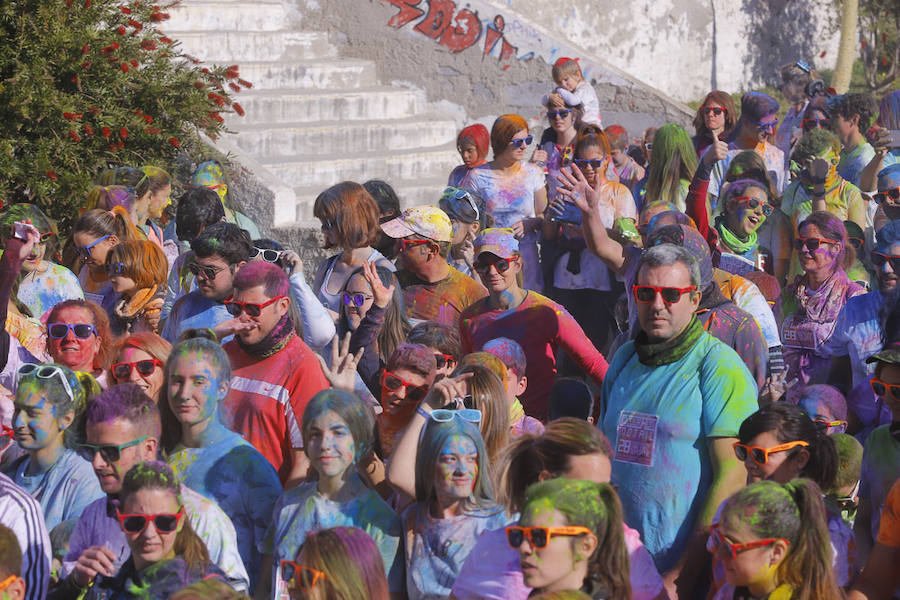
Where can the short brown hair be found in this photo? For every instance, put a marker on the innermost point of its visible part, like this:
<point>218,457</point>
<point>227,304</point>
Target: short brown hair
<point>143,261</point>
<point>349,210</point>
<point>503,130</point>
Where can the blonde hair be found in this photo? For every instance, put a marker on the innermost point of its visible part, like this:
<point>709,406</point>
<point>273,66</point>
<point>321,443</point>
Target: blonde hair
<point>566,67</point>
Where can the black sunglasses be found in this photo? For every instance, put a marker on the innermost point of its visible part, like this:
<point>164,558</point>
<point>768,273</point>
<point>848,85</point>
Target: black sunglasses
<point>501,264</point>
<point>812,244</point>
<point>110,453</point>
<point>593,163</point>
<point>561,113</point>
<point>208,272</point>
<point>879,259</point>
<point>892,193</point>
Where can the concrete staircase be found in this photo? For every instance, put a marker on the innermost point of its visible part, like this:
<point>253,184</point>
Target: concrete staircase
<point>314,119</point>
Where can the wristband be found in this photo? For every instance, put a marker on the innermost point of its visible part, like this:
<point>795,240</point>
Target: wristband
<point>422,412</point>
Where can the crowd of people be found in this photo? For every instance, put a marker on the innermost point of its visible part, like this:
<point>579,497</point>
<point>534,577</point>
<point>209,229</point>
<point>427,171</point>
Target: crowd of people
<point>593,367</point>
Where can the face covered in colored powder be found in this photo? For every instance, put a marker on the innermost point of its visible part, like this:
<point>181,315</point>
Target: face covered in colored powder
<point>399,404</point>
<point>887,278</point>
<point>356,290</point>
<point>741,218</point>
<point>195,388</point>
<point>469,153</point>
<point>330,445</point>
<point>659,319</point>
<point>780,467</point>
<point>823,258</point>
<point>36,421</point>
<point>151,384</point>
<point>152,545</point>
<point>821,413</point>
<point>553,567</point>
<point>117,432</point>
<point>752,566</point>
<point>70,350</point>
<point>456,470</point>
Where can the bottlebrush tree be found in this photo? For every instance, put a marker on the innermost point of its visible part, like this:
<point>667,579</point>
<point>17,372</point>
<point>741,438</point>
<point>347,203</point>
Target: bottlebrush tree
<point>89,84</point>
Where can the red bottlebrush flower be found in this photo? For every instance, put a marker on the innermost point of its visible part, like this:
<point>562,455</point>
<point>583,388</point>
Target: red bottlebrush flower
<point>72,116</point>
<point>134,63</point>
<point>125,10</point>
<point>85,49</point>
<point>204,70</point>
<point>87,4</point>
<point>124,67</point>
<point>166,40</point>
<point>216,117</point>
<point>883,61</point>
<point>147,118</point>
<point>235,87</point>
<point>238,109</point>
<point>148,45</point>
<point>137,25</point>
<point>74,78</point>
<point>88,129</point>
<point>113,147</point>
<point>153,130</point>
<point>174,142</point>
<point>123,133</point>
<point>156,17</point>
<point>245,83</point>
<point>121,29</point>
<point>68,3</point>
<point>74,135</point>
<point>217,99</point>
<point>52,175</point>
<point>199,85</point>
<point>106,132</point>
<point>94,109</point>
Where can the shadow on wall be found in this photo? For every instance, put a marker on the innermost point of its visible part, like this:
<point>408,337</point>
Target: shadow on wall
<point>790,26</point>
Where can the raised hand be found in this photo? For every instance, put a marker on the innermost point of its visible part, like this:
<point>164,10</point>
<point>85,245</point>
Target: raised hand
<point>717,151</point>
<point>342,372</point>
<point>380,293</point>
<point>446,391</point>
<point>575,187</point>
<point>292,262</point>
<point>96,560</point>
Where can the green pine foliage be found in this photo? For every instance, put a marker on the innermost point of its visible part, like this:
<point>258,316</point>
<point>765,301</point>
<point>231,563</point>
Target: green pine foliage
<point>88,84</point>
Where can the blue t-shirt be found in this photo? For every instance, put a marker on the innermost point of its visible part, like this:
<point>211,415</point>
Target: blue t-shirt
<point>853,162</point>
<point>857,334</point>
<point>64,491</point>
<point>194,311</point>
<point>241,481</point>
<point>661,420</point>
<point>303,509</point>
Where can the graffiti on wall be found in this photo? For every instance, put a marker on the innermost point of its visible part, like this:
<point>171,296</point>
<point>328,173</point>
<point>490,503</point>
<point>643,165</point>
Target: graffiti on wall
<point>457,30</point>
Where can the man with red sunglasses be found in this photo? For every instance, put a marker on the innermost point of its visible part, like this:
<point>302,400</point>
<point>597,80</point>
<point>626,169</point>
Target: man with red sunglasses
<point>432,289</point>
<point>274,373</point>
<point>673,400</point>
<point>405,380</point>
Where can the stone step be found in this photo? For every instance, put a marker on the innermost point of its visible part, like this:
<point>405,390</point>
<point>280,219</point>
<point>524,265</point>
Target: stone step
<point>326,74</point>
<point>401,165</point>
<point>207,15</point>
<point>225,47</point>
<point>313,106</point>
<point>336,137</point>
<point>416,193</point>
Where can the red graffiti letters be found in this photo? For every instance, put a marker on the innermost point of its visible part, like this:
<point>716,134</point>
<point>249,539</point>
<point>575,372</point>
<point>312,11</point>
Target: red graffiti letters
<point>408,12</point>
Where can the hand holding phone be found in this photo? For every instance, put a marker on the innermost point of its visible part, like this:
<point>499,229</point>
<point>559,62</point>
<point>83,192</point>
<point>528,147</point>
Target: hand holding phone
<point>21,229</point>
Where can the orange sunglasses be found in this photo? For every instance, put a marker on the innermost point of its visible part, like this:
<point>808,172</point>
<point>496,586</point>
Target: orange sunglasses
<point>719,542</point>
<point>539,536</point>
<point>761,455</point>
<point>299,577</point>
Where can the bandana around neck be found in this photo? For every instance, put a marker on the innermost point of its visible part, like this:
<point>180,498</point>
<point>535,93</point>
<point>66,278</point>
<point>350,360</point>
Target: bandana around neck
<point>272,343</point>
<point>733,242</point>
<point>668,351</point>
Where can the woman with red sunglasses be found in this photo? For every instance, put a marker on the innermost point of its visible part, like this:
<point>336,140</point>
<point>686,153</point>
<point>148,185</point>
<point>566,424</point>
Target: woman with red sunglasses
<point>166,554</point>
<point>715,119</point>
<point>773,543</point>
<point>808,308</point>
<point>140,358</point>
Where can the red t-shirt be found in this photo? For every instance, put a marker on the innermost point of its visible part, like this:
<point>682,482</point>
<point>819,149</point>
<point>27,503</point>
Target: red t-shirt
<point>267,399</point>
<point>540,326</point>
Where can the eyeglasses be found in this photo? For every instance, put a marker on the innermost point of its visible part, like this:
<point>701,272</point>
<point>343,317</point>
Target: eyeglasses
<point>115,268</point>
<point>754,203</point>
<point>457,194</point>
<point>522,142</point>
<point>815,123</point>
<point>856,242</point>
<point>7,582</point>
<point>6,437</point>
<point>443,415</point>
<point>58,331</point>
<point>443,360</point>
<point>761,455</point>
<point>825,425</point>
<point>765,126</point>
<point>136,523</point>
<point>501,264</point>
<point>122,371</point>
<point>561,113</point>
<point>719,542</point>
<point>300,577</point>
<point>881,389</point>
<point>46,372</point>
<point>812,243</point>
<point>593,163</point>
<point>392,383</point>
<point>539,536</point>
<point>716,110</point>
<point>208,272</point>
<point>110,453</point>
<point>86,251</point>
<point>356,300</point>
<point>268,254</point>
<point>253,309</point>
<point>670,295</point>
<point>879,259</point>
<point>406,244</point>
<point>882,195</point>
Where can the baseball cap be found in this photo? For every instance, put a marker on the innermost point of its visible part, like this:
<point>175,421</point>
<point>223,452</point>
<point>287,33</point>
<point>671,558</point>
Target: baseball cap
<point>497,241</point>
<point>463,205</point>
<point>890,355</point>
<point>427,221</point>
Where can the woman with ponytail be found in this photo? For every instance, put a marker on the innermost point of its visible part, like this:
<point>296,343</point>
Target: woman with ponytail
<point>781,443</point>
<point>773,542</point>
<point>94,234</point>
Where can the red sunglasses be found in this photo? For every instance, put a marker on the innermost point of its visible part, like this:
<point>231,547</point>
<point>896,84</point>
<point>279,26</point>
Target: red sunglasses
<point>392,383</point>
<point>253,309</point>
<point>406,244</point>
<point>136,523</point>
<point>122,371</point>
<point>719,542</point>
<point>670,295</point>
<point>6,437</point>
